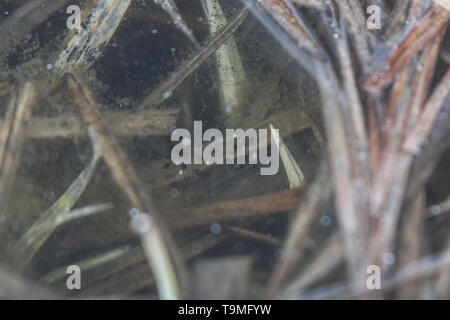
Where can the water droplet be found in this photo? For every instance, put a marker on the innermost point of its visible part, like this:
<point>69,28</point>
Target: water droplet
<point>154,31</point>
<point>173,50</point>
<point>335,36</point>
<point>49,66</point>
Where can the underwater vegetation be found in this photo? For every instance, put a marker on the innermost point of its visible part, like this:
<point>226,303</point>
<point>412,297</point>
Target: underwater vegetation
<point>353,97</point>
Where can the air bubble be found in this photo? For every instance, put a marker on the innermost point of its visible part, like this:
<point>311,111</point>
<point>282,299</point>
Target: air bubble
<point>325,221</point>
<point>174,193</point>
<point>167,94</point>
<point>435,210</point>
<point>216,228</point>
<point>388,258</point>
<point>133,213</point>
<point>141,223</point>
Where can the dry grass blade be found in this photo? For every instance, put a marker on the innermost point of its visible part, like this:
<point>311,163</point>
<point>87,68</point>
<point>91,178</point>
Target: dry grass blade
<point>80,213</point>
<point>411,240</point>
<point>162,92</point>
<point>440,208</point>
<point>423,268</point>
<point>234,209</point>
<point>356,20</point>
<point>333,102</point>
<point>123,124</point>
<point>116,159</point>
<point>32,240</point>
<point>356,115</point>
<point>288,18</point>
<point>418,269</point>
<point>296,121</point>
<point>443,3</point>
<point>321,264</point>
<point>6,87</point>
<point>85,265</point>
<point>318,192</point>
<point>12,137</point>
<point>421,131</point>
<point>316,4</point>
<point>422,80</point>
<point>133,268</point>
<point>252,235</point>
<point>380,94</point>
<point>86,45</point>
<point>401,52</point>
<point>397,17</point>
<point>232,78</point>
<point>347,201</point>
<point>293,171</point>
<point>171,8</point>
<point>122,171</point>
<point>157,255</point>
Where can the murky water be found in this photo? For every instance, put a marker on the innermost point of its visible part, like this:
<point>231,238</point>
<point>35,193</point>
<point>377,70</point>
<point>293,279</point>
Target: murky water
<point>148,80</point>
<point>146,50</point>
